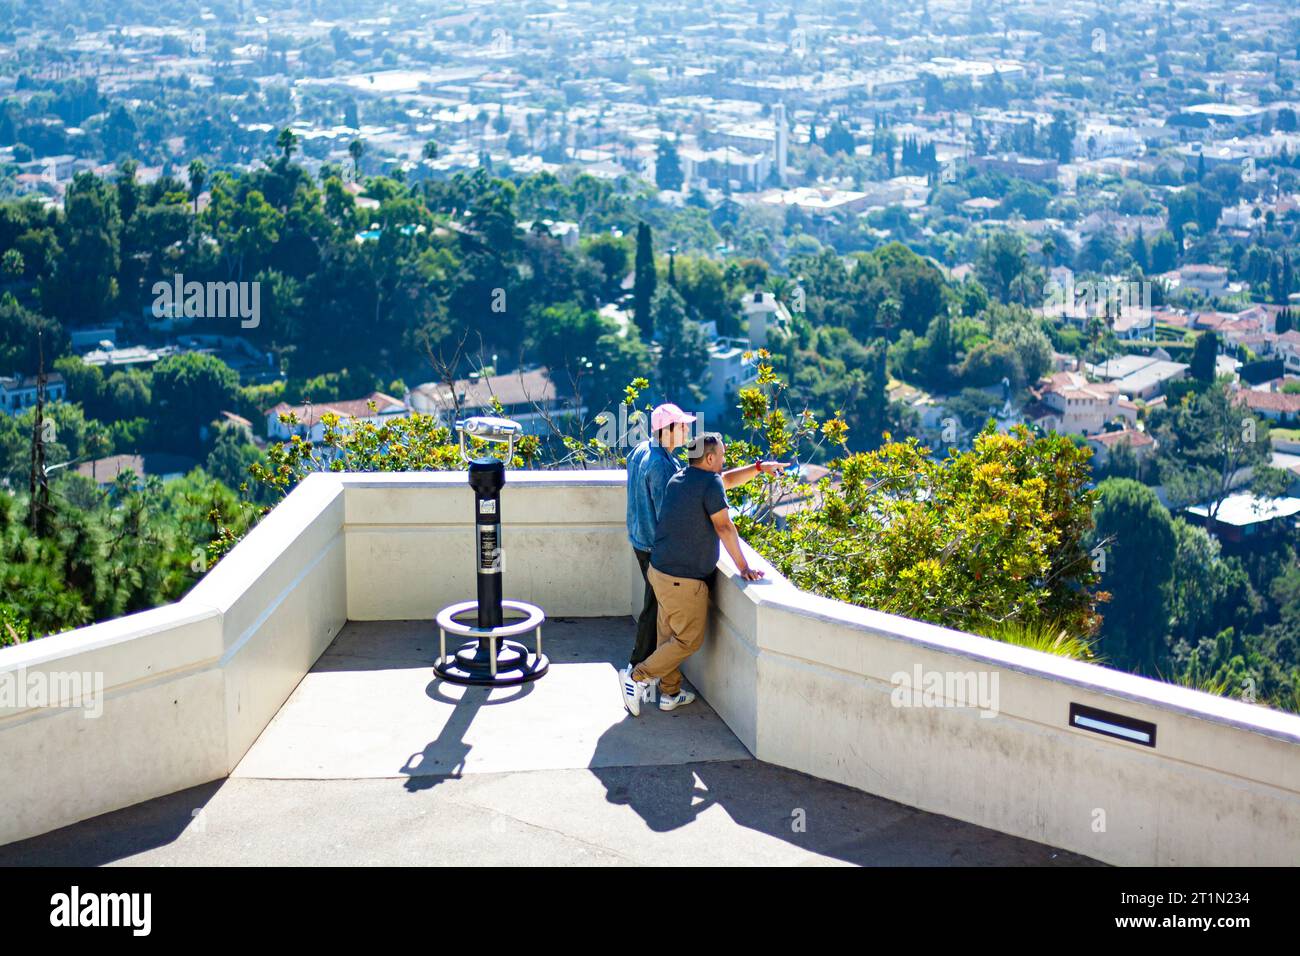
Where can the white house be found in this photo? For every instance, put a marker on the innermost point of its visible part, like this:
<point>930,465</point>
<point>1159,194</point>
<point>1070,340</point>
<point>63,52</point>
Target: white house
<point>18,392</point>
<point>568,233</point>
<point>1287,346</point>
<point>1138,376</point>
<point>1206,279</point>
<point>1103,443</point>
<point>1071,405</point>
<point>309,416</point>
<point>528,397</point>
<point>729,372</point>
<point>765,314</point>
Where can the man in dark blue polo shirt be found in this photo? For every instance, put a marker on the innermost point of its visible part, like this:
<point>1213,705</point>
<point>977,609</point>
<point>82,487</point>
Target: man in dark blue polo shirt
<point>692,522</point>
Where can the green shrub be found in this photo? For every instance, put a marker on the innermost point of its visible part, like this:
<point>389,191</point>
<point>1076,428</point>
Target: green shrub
<point>985,540</point>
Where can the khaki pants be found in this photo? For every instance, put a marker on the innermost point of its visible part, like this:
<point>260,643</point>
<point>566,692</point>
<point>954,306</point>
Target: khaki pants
<point>682,620</point>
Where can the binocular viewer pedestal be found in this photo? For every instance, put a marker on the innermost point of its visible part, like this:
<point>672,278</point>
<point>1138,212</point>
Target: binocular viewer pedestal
<point>491,658</point>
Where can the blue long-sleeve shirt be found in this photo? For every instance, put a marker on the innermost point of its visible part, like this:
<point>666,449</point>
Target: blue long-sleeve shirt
<point>649,467</point>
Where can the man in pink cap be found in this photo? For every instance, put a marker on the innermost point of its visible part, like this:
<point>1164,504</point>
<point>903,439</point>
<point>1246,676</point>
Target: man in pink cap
<point>649,466</point>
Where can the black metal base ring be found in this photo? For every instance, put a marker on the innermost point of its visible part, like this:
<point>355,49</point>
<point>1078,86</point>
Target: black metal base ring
<point>470,665</point>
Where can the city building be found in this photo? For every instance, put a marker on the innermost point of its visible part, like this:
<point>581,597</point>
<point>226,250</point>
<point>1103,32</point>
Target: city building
<point>1103,443</point>
<point>728,372</point>
<point>529,397</point>
<point>765,314</point>
<point>1138,376</point>
<point>1070,404</point>
<point>1032,168</point>
<point>18,392</point>
<point>818,200</point>
<point>725,166</point>
<point>781,144</point>
<point>309,415</point>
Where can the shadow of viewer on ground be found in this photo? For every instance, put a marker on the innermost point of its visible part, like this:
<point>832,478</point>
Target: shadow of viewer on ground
<point>445,755</point>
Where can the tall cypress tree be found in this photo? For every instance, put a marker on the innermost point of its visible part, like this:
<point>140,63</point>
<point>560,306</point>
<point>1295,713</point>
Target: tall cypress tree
<point>1140,251</point>
<point>644,280</point>
<point>1203,357</point>
<point>668,167</point>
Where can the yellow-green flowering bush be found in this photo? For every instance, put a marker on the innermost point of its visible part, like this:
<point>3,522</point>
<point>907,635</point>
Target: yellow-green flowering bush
<point>975,541</point>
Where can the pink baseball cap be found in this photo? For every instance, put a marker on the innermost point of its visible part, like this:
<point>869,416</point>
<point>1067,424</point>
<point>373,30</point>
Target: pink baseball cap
<point>668,414</point>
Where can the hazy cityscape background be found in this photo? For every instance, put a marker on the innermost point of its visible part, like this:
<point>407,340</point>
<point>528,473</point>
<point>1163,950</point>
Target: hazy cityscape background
<point>222,222</point>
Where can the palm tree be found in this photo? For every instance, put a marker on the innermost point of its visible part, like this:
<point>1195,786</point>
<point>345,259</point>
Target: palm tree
<point>286,143</point>
<point>355,149</point>
<point>198,179</point>
<point>888,315</point>
<point>430,150</point>
<point>780,287</point>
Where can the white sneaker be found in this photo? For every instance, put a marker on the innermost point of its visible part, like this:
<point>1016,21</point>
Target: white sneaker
<point>634,691</point>
<point>673,701</point>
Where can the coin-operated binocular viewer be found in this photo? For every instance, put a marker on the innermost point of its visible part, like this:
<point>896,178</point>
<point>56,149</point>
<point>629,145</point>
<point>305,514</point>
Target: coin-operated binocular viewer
<point>489,658</point>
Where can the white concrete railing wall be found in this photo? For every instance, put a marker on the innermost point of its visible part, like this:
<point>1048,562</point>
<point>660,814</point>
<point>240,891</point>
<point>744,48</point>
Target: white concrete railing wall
<point>807,683</point>
<point>410,553</point>
<point>187,688</point>
<point>281,601</point>
<point>804,682</point>
<point>161,728</point>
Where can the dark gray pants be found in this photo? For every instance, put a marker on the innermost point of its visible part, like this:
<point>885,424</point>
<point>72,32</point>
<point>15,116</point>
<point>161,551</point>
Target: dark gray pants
<point>646,637</point>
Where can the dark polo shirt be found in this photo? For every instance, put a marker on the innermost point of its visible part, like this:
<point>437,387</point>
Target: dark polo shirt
<point>686,543</point>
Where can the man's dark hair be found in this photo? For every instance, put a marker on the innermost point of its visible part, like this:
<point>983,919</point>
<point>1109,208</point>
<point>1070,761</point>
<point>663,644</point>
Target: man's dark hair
<point>702,446</point>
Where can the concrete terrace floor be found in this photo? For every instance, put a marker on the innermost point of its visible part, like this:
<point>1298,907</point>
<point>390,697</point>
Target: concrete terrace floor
<point>372,761</point>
